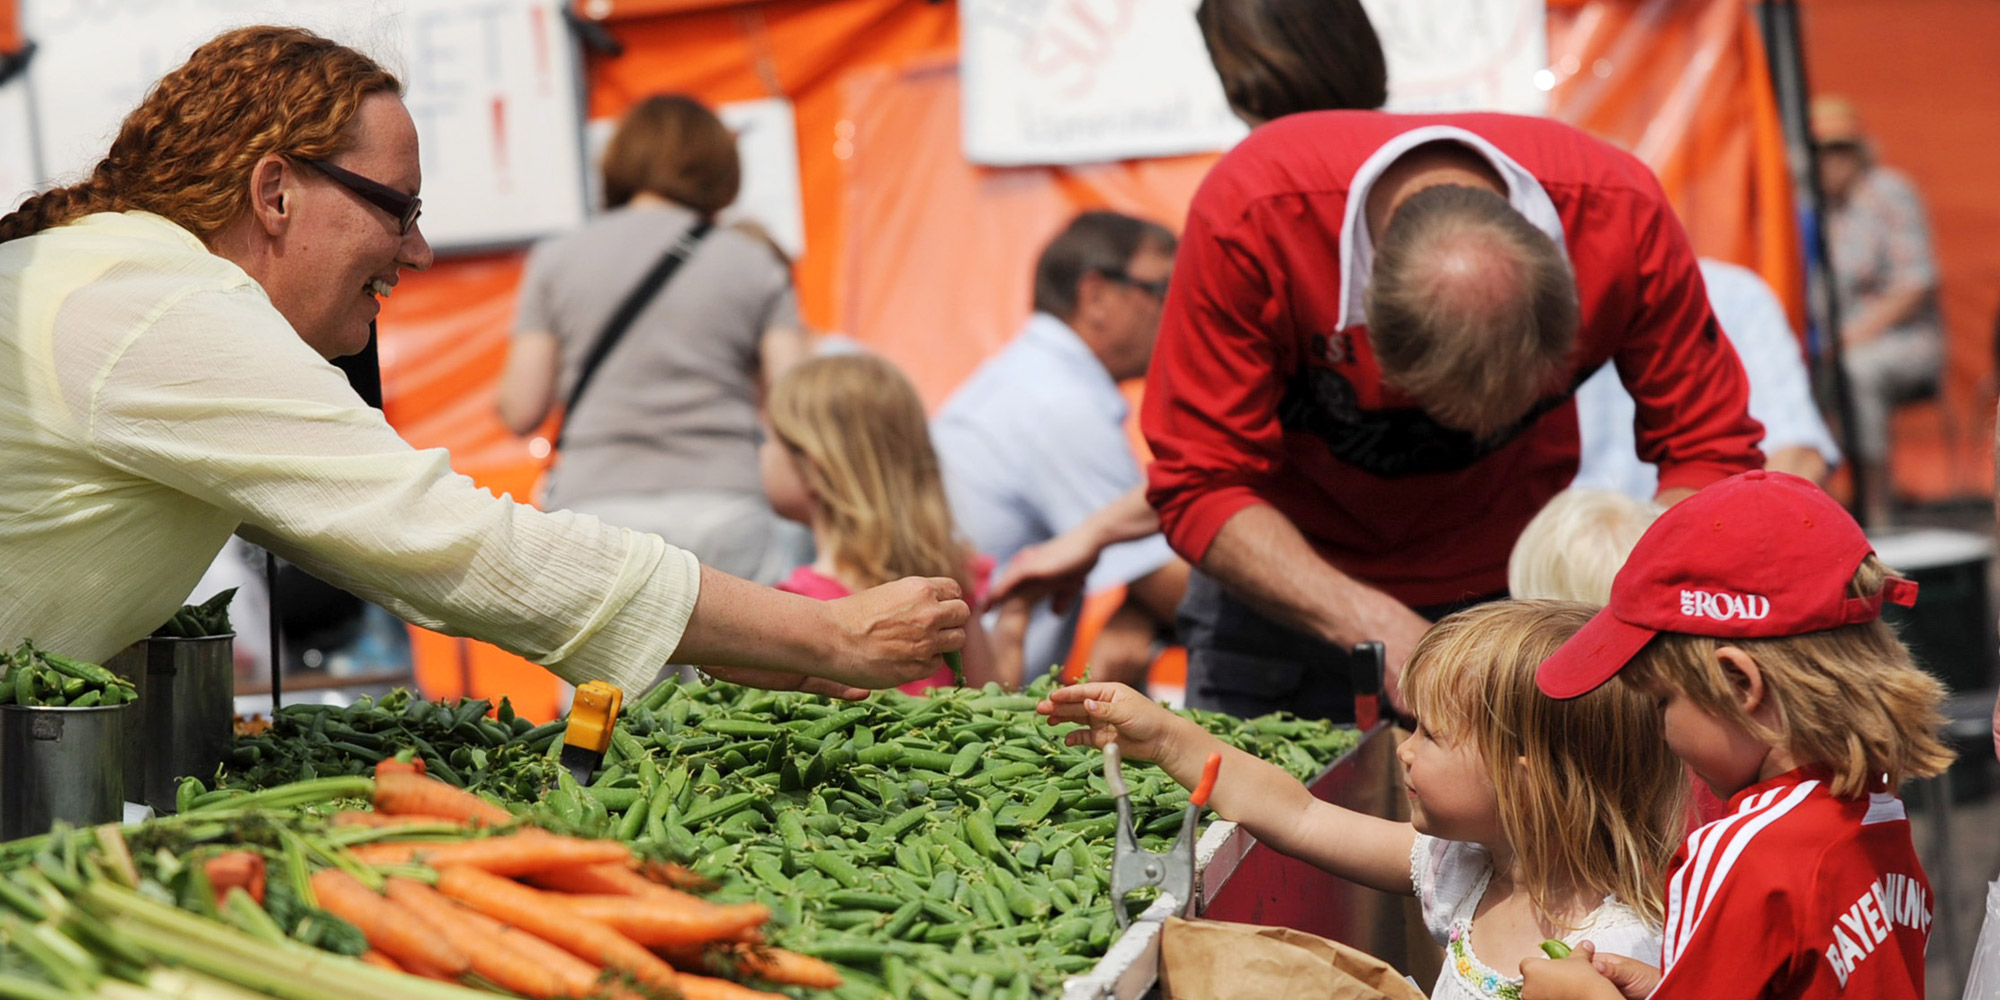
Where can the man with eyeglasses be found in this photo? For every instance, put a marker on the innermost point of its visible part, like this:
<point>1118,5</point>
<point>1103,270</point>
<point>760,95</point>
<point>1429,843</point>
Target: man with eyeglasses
<point>1036,457</point>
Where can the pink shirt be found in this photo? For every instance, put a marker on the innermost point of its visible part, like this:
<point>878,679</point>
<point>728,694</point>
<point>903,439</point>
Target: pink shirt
<point>808,582</point>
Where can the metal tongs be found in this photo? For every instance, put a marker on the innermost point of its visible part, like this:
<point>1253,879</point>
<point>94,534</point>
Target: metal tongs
<point>1133,868</point>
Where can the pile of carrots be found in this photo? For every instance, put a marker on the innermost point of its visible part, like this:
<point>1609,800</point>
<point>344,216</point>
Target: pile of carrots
<point>544,915</point>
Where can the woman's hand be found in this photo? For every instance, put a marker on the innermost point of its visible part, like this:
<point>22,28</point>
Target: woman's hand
<point>898,632</point>
<point>778,680</point>
<point>1114,713</point>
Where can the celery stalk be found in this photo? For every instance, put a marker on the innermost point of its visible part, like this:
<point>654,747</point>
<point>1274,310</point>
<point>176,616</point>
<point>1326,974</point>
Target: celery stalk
<point>298,793</point>
<point>14,987</point>
<point>181,984</point>
<point>117,854</point>
<point>245,915</point>
<point>287,970</point>
<point>58,963</point>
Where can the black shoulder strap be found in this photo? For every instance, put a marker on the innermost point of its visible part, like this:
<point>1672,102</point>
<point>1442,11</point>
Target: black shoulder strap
<point>628,310</point>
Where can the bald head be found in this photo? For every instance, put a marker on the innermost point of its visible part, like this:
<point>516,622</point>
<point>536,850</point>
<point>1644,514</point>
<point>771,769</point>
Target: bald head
<point>1471,310</point>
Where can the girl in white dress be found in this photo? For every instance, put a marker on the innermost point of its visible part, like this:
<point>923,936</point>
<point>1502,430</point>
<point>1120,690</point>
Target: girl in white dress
<point>1529,820</point>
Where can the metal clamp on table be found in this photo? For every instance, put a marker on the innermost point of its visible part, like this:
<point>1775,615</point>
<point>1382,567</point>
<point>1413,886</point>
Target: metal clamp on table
<point>1134,868</point>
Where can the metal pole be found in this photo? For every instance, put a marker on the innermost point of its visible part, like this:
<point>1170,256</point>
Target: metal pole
<point>277,646</point>
<point>1785,54</point>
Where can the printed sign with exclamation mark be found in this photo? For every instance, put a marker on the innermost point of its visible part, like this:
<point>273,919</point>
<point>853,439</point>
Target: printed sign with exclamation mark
<point>538,22</point>
<point>504,175</point>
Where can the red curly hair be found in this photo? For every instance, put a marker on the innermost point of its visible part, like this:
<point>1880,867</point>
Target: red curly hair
<point>186,151</point>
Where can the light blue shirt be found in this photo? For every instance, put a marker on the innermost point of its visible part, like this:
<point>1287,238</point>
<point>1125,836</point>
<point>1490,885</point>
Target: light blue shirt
<point>1033,444</point>
<point>1780,391</point>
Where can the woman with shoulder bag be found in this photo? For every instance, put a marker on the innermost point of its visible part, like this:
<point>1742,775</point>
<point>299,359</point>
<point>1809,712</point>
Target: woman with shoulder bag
<point>661,330</point>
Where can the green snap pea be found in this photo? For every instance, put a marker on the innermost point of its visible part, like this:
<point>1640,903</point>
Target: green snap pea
<point>966,759</point>
<point>903,919</point>
<point>837,868</point>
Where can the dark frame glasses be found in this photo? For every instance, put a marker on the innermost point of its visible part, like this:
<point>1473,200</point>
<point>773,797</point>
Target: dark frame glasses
<point>1157,289</point>
<point>404,208</point>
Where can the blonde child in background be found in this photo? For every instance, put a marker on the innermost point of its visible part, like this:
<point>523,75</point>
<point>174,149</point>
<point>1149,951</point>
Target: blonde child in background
<point>1571,549</point>
<point>847,452</point>
<point>1751,614</point>
<point>1527,824</point>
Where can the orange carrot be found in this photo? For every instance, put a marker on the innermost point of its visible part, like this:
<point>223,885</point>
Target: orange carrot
<point>653,922</point>
<point>614,880</point>
<point>609,880</point>
<point>423,971</point>
<point>543,915</point>
<point>236,870</point>
<point>380,961</point>
<point>789,968</point>
<point>673,876</point>
<point>413,794</point>
<point>389,928</point>
<point>514,854</point>
<point>709,988</point>
<point>362,817</point>
<point>414,765</point>
<point>512,959</point>
<point>740,961</point>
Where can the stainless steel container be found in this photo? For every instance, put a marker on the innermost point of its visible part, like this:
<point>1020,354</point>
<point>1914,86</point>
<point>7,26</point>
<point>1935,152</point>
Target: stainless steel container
<point>190,712</point>
<point>60,764</point>
<point>130,664</point>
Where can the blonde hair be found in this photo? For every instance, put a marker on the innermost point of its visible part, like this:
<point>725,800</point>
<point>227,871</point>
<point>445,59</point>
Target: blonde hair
<point>1589,796</point>
<point>1573,547</point>
<point>1849,698</point>
<point>855,427</point>
<point>187,150</point>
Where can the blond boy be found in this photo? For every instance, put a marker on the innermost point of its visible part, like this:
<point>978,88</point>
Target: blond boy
<point>1752,612</point>
<point>1573,548</point>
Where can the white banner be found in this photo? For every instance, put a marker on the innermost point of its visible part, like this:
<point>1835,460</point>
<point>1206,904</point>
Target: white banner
<point>1075,81</point>
<point>491,84</point>
<point>1079,81</point>
<point>1464,55</point>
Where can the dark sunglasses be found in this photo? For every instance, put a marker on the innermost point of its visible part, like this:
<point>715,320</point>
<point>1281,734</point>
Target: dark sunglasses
<point>1157,289</point>
<point>404,208</point>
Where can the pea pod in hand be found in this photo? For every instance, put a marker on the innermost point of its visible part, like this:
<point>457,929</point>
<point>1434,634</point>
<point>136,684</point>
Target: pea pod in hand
<point>1555,949</point>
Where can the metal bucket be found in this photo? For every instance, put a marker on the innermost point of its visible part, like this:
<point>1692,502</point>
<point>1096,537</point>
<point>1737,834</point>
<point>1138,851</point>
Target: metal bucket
<point>130,663</point>
<point>60,764</point>
<point>190,712</point>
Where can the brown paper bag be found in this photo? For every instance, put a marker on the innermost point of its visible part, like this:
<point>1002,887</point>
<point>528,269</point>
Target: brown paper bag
<point>1214,960</point>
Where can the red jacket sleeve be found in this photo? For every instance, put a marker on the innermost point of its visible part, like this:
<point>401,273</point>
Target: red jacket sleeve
<point>1210,412</point>
<point>1692,396</point>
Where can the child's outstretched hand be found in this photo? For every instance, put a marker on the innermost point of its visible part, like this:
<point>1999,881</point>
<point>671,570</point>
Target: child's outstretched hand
<point>1586,975</point>
<point>1112,713</point>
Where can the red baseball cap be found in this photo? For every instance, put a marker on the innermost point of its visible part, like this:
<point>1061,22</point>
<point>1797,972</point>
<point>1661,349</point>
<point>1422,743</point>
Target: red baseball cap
<point>1757,555</point>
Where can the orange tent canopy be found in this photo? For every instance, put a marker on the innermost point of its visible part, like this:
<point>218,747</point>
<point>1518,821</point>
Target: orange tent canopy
<point>10,27</point>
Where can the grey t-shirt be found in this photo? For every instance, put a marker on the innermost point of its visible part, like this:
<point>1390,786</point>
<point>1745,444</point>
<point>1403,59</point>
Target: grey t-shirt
<point>673,406</point>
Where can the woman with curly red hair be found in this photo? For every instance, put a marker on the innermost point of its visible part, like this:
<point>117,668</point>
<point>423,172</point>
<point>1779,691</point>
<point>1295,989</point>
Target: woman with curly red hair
<point>165,327</point>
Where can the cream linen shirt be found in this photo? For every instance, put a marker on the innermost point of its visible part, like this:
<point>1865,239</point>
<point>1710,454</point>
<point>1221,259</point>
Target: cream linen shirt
<point>152,401</point>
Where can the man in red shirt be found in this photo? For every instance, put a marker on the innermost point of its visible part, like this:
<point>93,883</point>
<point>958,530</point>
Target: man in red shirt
<point>1361,390</point>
